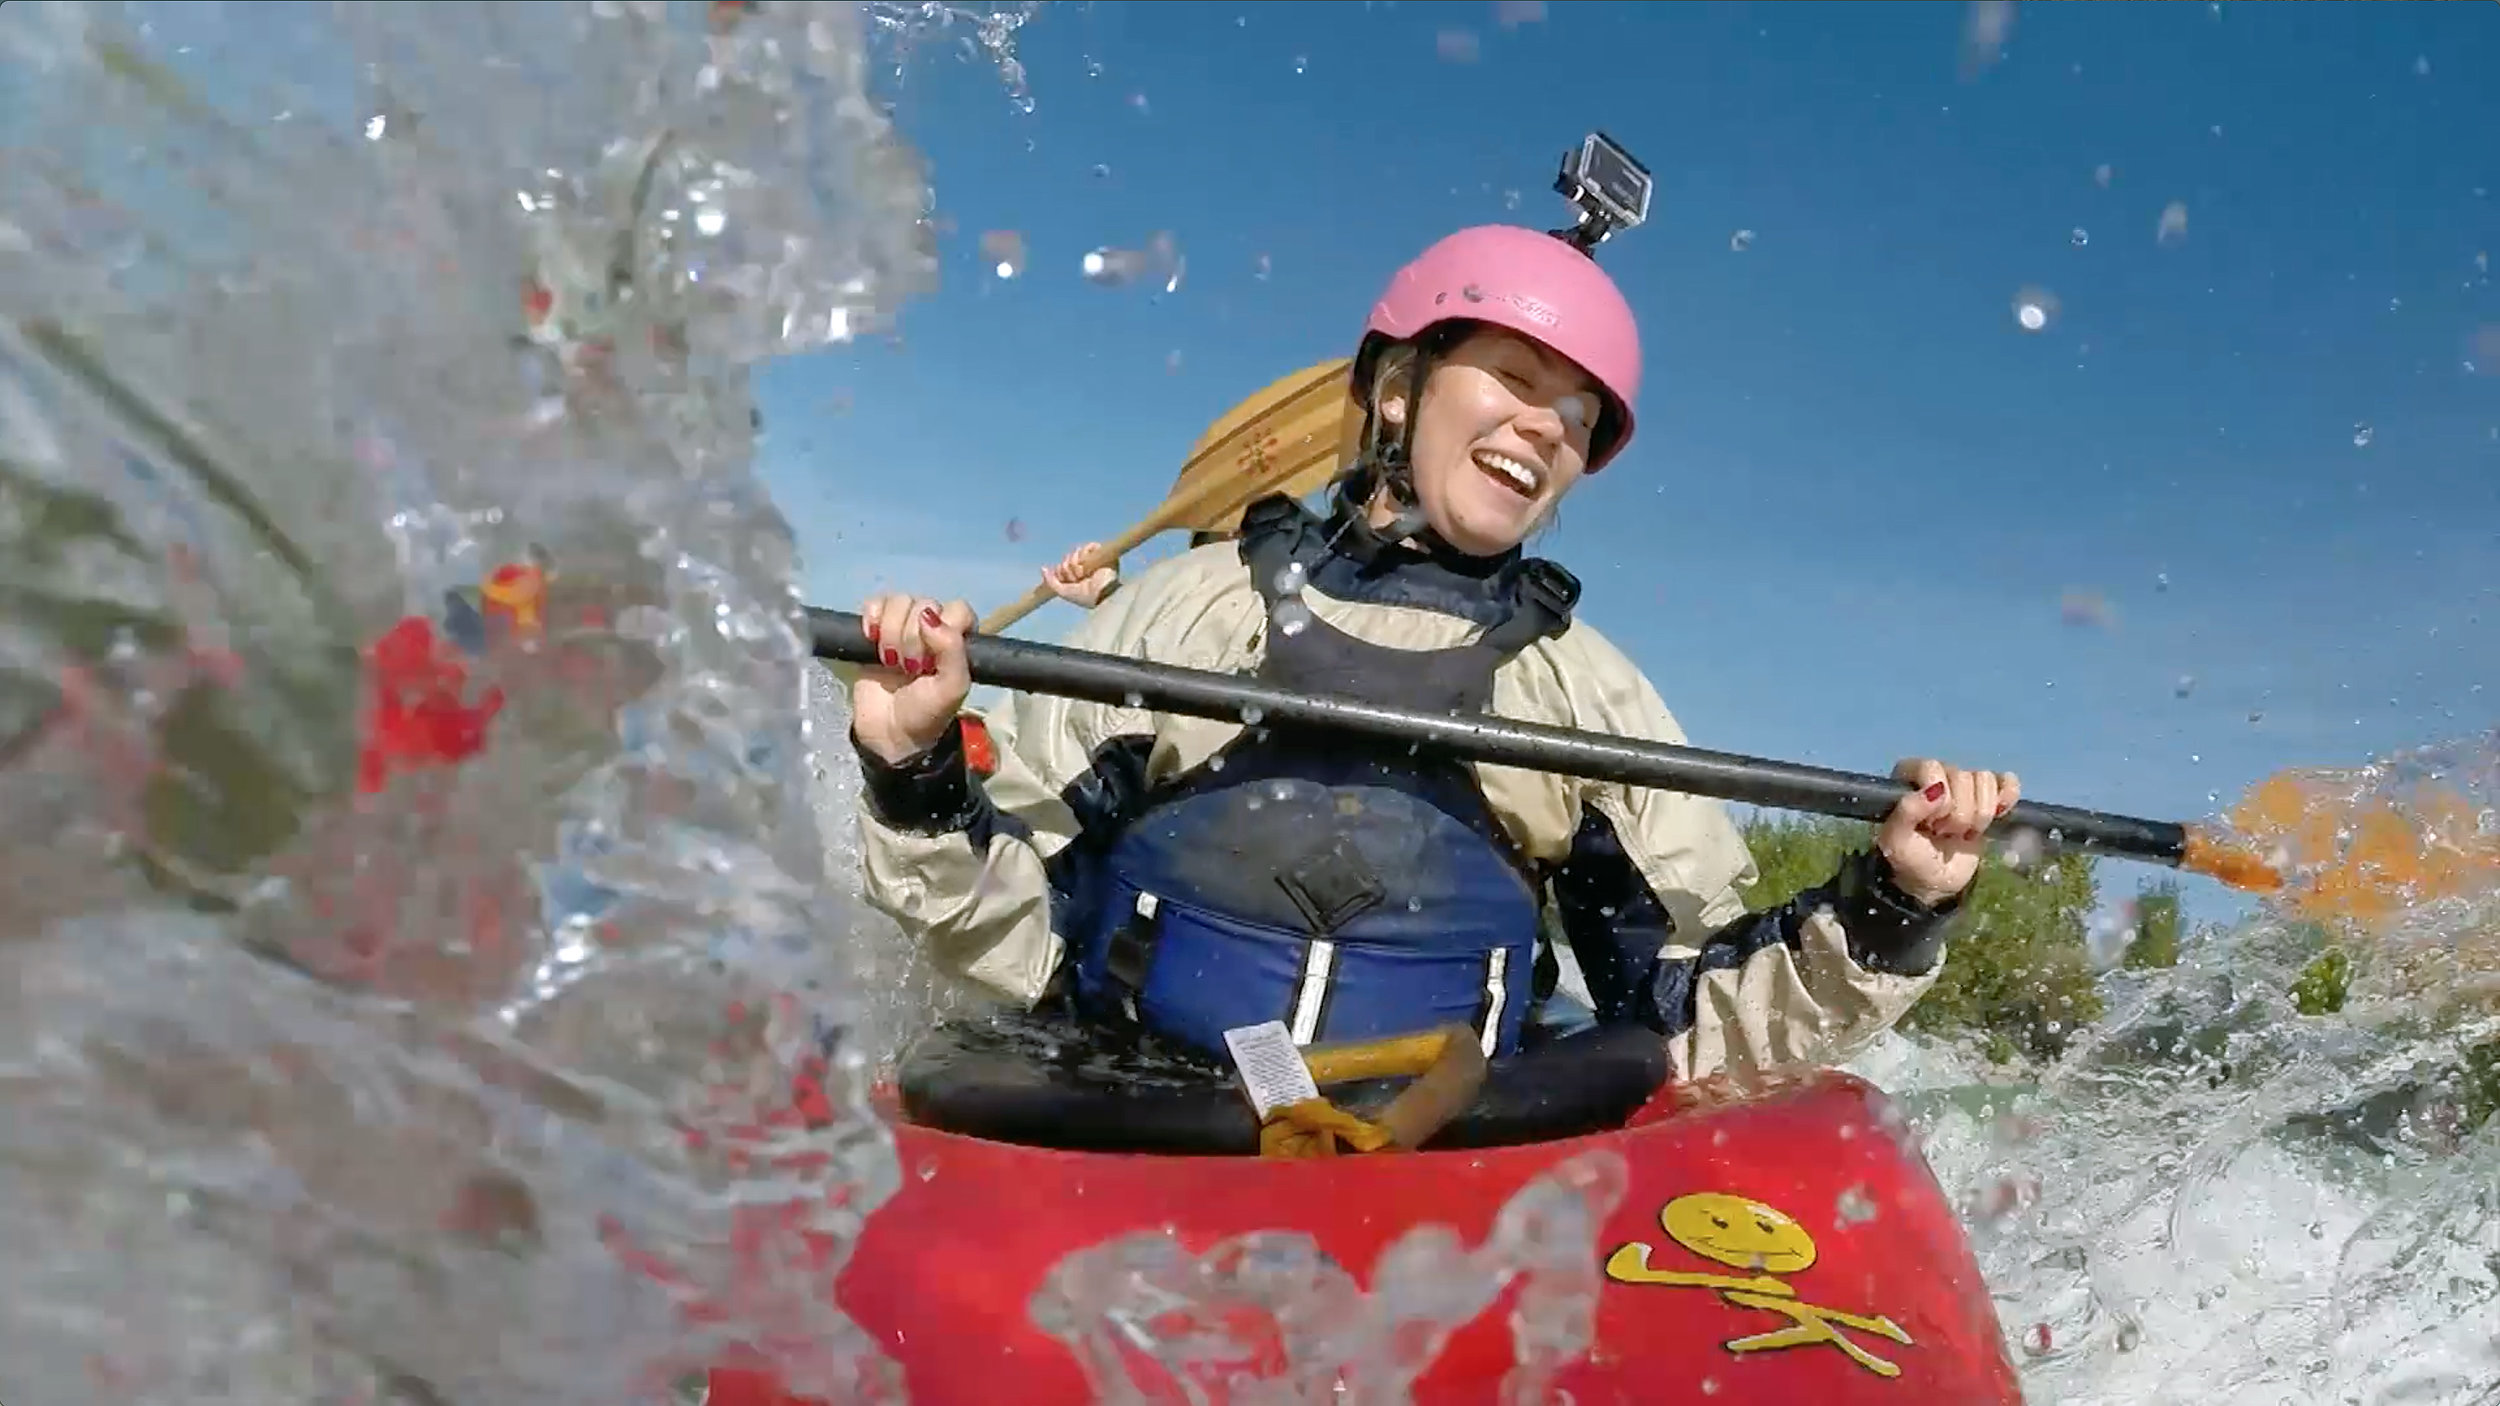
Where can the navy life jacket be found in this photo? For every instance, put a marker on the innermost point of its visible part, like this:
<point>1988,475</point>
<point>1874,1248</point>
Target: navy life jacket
<point>1352,889</point>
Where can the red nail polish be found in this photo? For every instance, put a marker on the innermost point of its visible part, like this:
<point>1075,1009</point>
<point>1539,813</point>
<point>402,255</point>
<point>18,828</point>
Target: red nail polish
<point>930,617</point>
<point>1935,792</point>
<point>892,659</point>
<point>872,632</point>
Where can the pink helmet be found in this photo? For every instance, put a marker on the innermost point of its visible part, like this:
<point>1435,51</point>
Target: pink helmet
<point>1531,283</point>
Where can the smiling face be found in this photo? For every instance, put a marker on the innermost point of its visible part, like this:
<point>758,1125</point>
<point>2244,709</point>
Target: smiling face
<point>1738,1233</point>
<point>1504,434</point>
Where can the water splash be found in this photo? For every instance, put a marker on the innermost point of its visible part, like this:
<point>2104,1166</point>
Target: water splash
<point>339,1060</point>
<point>1270,1318</point>
<point>2264,1175</point>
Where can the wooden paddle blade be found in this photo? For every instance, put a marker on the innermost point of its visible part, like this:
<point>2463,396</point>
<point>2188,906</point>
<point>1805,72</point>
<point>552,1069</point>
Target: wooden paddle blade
<point>1294,397</point>
<point>1289,437</point>
<point>1307,443</point>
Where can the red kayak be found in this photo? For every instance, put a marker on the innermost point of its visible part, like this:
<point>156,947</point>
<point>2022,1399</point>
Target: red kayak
<point>1790,1247</point>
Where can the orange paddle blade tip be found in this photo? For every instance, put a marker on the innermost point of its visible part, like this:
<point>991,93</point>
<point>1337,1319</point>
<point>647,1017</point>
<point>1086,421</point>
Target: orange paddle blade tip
<point>2235,865</point>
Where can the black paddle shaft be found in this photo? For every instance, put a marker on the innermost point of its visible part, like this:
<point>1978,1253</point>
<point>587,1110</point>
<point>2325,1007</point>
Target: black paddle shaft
<point>1102,678</point>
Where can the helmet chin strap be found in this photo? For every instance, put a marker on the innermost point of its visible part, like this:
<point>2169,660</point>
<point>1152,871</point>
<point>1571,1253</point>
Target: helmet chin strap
<point>1390,468</point>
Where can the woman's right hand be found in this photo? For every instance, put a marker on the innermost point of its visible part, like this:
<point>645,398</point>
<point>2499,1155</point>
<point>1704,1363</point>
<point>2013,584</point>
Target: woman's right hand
<point>902,706</point>
<point>1073,582</point>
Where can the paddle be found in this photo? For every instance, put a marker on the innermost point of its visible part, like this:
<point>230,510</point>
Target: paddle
<point>1288,438</point>
<point>1102,678</point>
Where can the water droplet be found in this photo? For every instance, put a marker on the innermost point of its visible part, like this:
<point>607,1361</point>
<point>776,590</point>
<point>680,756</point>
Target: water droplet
<point>1740,241</point>
<point>1004,248</point>
<point>1710,1386</point>
<point>2102,174</point>
<point>1292,617</point>
<point>2034,308</point>
<point>1856,1207</point>
<point>2130,1334</point>
<point>2161,581</point>
<point>1215,763</point>
<point>1414,905</point>
<point>2173,226</point>
<point>1290,579</point>
<point>1134,699</point>
<point>1302,63</point>
<point>2317,1230</point>
<point>1261,267</point>
<point>2421,65</point>
<point>2185,686</point>
<point>2080,237</point>
<point>1250,715</point>
<point>2362,434</point>
<point>928,1169</point>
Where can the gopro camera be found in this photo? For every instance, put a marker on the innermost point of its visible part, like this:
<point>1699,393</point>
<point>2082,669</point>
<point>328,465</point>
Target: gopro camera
<point>1607,186</point>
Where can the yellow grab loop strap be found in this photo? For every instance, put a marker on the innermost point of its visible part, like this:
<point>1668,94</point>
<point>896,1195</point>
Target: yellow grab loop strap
<point>1315,1128</point>
<point>1448,1068</point>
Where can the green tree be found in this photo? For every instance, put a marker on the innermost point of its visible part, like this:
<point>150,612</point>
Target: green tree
<point>2156,941</point>
<point>2018,973</point>
<point>2323,985</point>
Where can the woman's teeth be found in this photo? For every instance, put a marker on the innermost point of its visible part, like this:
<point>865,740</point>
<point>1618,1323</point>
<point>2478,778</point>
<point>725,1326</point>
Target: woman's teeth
<point>1518,477</point>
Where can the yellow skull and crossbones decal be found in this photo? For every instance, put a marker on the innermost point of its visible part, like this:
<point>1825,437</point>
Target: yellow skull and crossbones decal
<point>1741,1233</point>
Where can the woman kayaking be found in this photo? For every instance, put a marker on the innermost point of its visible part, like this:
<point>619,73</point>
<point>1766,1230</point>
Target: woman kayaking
<point>1179,877</point>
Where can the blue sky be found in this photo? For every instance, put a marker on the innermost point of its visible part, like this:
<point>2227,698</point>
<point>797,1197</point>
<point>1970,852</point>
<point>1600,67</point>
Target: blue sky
<point>1861,491</point>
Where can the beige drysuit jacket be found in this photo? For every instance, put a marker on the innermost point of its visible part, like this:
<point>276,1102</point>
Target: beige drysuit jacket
<point>1660,927</point>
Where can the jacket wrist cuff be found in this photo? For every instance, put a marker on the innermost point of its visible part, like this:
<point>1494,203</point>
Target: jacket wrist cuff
<point>1889,931</point>
<point>930,794</point>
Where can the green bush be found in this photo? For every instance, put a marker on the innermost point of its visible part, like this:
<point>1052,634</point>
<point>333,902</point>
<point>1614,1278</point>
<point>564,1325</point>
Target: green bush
<point>2156,940</point>
<point>2323,984</point>
<point>2018,974</point>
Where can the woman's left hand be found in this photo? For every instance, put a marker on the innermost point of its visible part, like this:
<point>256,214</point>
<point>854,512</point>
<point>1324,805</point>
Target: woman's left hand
<point>1935,837</point>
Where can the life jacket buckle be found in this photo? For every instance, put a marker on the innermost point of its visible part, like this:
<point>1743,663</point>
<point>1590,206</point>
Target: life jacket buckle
<point>1549,590</point>
<point>1267,514</point>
